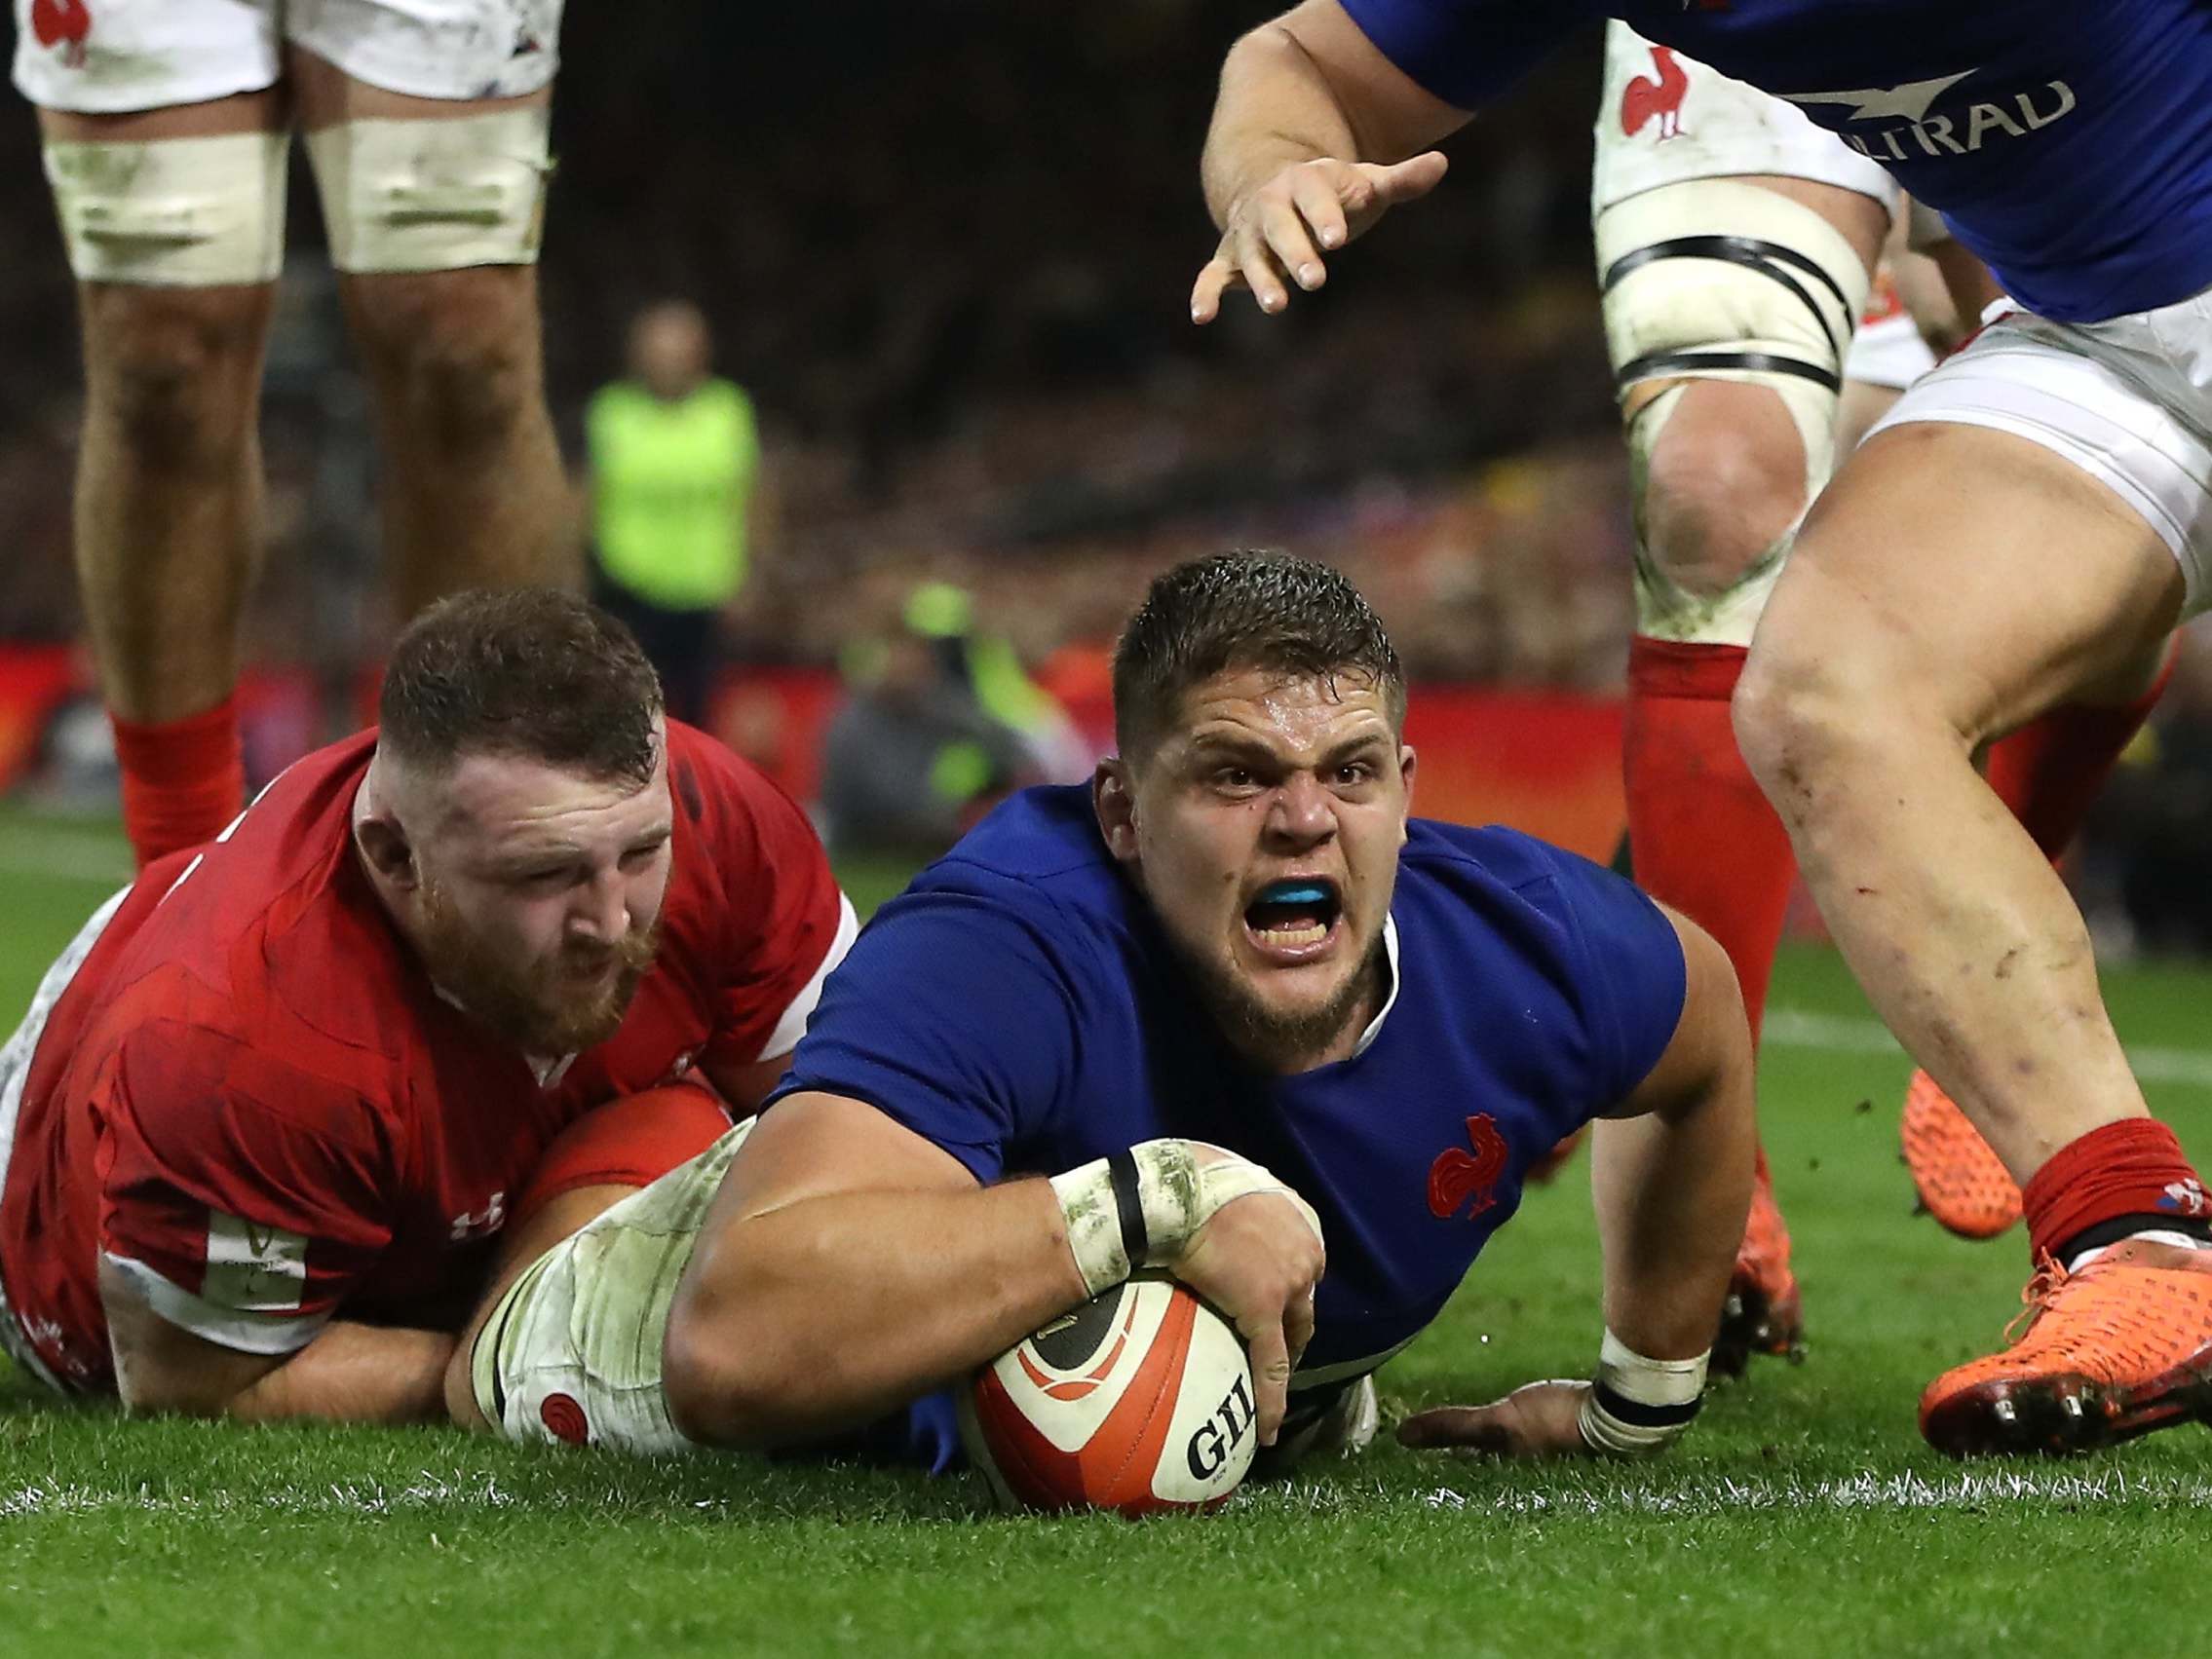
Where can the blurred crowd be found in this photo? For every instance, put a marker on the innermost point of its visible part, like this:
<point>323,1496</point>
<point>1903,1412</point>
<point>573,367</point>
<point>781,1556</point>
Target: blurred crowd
<point>944,249</point>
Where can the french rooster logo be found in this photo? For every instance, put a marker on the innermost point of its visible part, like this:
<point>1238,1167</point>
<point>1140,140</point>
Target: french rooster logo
<point>1645,97</point>
<point>1468,1177</point>
<point>63,23</point>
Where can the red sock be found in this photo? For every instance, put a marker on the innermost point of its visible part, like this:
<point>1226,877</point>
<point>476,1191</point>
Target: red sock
<point>2119,1179</point>
<point>2050,770</point>
<point>1700,835</point>
<point>184,780</point>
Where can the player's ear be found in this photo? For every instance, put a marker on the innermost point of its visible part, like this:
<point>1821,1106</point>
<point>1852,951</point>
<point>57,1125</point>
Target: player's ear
<point>384,843</point>
<point>1405,777</point>
<point>1114,798</point>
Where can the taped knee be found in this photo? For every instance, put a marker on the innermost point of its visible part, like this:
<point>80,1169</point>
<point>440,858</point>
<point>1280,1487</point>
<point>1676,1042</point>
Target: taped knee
<point>1705,612</point>
<point>1718,279</point>
<point>434,195</point>
<point>172,212</point>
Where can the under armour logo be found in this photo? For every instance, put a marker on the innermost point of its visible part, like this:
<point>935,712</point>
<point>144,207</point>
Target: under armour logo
<point>475,1223</point>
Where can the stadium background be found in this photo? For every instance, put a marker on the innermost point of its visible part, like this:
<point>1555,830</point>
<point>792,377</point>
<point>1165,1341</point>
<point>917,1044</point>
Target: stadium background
<point>946,245</point>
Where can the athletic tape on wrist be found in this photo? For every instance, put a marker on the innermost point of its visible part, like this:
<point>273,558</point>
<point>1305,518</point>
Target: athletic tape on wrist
<point>1142,1207</point>
<point>1638,1404</point>
<point>1129,1206</point>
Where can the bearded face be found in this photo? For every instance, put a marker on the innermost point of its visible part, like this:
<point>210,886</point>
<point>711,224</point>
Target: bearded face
<point>1263,830</point>
<point>531,892</point>
<point>562,1001</point>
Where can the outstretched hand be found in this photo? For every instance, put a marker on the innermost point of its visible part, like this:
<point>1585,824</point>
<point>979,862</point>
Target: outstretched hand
<point>1538,1419</point>
<point>1274,233</point>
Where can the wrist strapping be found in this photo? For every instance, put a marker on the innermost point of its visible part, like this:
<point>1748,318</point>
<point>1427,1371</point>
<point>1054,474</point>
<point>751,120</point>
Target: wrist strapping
<point>1637,1404</point>
<point>1143,1207</point>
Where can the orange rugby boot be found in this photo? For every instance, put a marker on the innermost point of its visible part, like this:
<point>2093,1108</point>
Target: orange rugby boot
<point>1764,1313</point>
<point>1959,1181</point>
<point>2121,1348</point>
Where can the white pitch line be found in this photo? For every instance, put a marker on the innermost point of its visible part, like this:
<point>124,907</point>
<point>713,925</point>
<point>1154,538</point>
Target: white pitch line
<point>1835,1033</point>
<point>1854,1492</point>
<point>1706,1495</point>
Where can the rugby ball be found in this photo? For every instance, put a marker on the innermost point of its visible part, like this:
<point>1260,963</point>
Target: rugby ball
<point>1138,1401</point>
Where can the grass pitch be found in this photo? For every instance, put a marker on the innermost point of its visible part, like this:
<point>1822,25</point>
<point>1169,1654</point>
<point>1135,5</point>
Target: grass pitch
<point>1803,1516</point>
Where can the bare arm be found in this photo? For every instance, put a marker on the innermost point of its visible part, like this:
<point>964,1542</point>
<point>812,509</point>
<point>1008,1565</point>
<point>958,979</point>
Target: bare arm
<point>849,1265</point>
<point>812,1304</point>
<point>350,1373</point>
<point>1670,1171</point>
<point>1314,136</point>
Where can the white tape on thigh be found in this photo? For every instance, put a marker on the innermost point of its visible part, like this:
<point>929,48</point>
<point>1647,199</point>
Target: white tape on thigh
<point>573,1350</point>
<point>434,195</point>
<point>172,213</point>
<point>1718,278</point>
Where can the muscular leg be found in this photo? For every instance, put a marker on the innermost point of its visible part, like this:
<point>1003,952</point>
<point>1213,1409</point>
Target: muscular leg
<point>1721,484</point>
<point>1952,583</point>
<point>1722,475</point>
<point>474,495</point>
<point>168,502</point>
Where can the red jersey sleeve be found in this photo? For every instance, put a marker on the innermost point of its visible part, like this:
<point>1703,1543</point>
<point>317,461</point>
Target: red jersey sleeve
<point>786,921</point>
<point>242,1197</point>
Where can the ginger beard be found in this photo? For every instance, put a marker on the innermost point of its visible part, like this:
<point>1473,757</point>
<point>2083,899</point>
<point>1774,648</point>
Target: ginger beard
<point>563,1003</point>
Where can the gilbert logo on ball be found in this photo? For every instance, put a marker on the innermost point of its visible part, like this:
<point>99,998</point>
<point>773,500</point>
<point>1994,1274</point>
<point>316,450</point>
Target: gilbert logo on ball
<point>1138,1401</point>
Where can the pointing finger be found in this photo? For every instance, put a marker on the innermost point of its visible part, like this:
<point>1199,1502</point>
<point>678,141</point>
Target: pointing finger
<point>1410,179</point>
<point>1215,278</point>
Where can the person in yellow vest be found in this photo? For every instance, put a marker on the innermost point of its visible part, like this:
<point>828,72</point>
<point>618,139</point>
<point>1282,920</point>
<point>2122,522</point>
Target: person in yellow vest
<point>675,460</point>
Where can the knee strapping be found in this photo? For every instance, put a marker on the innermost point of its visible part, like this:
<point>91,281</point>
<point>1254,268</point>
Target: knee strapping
<point>1717,280</point>
<point>434,195</point>
<point>172,212</point>
<point>1668,609</point>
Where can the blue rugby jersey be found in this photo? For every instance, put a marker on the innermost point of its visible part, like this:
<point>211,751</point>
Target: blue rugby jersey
<point>2068,144</point>
<point>1019,1007</point>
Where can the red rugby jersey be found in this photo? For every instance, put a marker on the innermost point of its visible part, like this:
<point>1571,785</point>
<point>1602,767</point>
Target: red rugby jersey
<point>248,1094</point>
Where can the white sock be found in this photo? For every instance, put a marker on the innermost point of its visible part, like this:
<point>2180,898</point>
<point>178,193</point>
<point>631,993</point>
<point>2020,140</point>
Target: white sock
<point>2151,1236</point>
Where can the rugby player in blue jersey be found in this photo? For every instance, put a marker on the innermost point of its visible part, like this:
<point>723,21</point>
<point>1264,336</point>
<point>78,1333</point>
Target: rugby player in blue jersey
<point>1227,1004</point>
<point>2022,530</point>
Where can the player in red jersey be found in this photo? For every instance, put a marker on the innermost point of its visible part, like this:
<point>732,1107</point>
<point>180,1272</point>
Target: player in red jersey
<point>268,1112</point>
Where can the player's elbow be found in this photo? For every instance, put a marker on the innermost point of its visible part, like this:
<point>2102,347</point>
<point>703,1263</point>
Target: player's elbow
<point>727,1371</point>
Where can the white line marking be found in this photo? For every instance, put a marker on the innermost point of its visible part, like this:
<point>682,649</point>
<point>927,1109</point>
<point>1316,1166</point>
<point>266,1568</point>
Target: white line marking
<point>1723,1494</point>
<point>1695,1495</point>
<point>1835,1033</point>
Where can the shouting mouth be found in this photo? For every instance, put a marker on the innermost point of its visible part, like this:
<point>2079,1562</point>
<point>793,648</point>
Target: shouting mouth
<point>1295,919</point>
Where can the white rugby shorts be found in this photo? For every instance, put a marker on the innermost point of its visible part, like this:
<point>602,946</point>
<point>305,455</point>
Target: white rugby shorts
<point>2128,400</point>
<point>106,56</point>
<point>1663,119</point>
